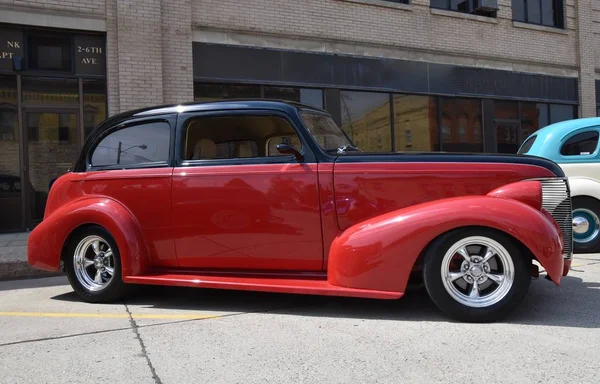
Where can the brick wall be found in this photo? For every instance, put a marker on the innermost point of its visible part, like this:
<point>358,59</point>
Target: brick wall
<point>176,51</point>
<point>587,42</point>
<point>83,6</point>
<point>139,48</point>
<point>149,52</point>
<point>596,30</point>
<point>418,28</point>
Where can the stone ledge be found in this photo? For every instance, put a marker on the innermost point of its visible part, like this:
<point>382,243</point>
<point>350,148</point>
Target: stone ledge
<point>382,3</point>
<point>541,28</point>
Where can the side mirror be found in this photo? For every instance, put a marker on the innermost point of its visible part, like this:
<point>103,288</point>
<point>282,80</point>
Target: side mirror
<point>287,149</point>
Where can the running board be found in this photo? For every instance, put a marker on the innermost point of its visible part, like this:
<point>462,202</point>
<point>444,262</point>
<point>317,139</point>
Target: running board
<point>314,285</point>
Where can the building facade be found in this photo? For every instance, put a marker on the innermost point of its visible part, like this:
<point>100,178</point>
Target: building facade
<point>397,75</point>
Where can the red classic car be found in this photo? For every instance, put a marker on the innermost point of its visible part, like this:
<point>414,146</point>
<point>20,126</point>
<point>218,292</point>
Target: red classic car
<point>273,196</point>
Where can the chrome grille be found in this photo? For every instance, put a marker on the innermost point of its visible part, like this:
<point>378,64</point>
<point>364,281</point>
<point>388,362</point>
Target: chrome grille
<point>556,200</point>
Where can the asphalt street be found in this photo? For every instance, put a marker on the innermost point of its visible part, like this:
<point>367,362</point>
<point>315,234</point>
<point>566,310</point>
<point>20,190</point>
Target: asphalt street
<point>180,335</point>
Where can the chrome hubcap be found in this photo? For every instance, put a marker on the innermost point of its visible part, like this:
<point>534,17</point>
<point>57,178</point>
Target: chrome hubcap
<point>94,263</point>
<point>477,271</point>
<point>586,225</point>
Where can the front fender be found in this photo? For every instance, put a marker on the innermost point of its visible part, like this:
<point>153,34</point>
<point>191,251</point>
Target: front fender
<point>584,186</point>
<point>380,253</point>
<point>47,239</point>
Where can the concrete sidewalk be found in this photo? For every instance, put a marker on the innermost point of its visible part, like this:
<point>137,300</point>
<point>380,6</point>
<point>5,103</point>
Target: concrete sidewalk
<point>13,258</point>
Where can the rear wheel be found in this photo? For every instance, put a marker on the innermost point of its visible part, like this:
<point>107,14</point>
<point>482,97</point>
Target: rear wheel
<point>93,265</point>
<point>476,275</point>
<point>586,224</point>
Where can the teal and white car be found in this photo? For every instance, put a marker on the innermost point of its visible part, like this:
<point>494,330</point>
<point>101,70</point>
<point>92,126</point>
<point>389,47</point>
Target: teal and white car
<point>573,145</point>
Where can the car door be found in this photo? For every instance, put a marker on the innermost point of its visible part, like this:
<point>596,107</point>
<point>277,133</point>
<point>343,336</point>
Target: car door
<point>237,202</point>
<point>132,164</point>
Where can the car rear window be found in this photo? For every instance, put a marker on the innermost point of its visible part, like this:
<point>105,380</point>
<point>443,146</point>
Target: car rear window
<point>581,144</point>
<point>527,145</point>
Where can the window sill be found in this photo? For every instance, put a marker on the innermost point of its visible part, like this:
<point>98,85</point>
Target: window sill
<point>382,3</point>
<point>542,28</point>
<point>464,16</point>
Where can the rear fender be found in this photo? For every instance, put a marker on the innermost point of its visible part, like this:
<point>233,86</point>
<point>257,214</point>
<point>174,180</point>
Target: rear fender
<point>46,241</point>
<point>380,253</point>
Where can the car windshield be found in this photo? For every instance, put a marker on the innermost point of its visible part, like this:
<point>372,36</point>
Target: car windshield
<point>326,133</point>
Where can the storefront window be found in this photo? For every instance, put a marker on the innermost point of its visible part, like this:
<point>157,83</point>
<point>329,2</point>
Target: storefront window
<point>533,117</point>
<point>50,91</point>
<point>415,123</point>
<point>94,104</point>
<point>366,119</point>
<point>461,125</point>
<point>560,113</point>
<point>212,92</point>
<point>506,110</point>
<point>10,181</point>
<point>312,97</point>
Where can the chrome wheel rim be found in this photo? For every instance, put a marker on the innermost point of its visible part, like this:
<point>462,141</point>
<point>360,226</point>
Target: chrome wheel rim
<point>477,272</point>
<point>586,225</point>
<point>94,263</point>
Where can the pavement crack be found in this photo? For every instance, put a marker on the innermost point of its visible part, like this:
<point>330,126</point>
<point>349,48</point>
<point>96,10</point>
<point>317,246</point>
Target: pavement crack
<point>64,336</point>
<point>136,332</point>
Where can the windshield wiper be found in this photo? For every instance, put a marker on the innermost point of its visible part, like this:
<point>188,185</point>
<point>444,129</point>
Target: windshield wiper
<point>343,148</point>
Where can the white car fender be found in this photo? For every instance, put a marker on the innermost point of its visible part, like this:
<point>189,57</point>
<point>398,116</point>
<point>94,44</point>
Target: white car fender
<point>584,186</point>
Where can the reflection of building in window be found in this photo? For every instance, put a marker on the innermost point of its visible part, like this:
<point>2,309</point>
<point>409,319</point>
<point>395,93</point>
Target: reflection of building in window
<point>8,122</point>
<point>366,119</point>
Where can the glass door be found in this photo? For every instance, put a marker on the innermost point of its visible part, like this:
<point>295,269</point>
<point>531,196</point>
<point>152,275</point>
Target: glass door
<point>507,136</point>
<point>52,149</point>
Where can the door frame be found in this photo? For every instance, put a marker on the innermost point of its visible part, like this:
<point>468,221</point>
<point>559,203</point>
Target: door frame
<point>32,108</point>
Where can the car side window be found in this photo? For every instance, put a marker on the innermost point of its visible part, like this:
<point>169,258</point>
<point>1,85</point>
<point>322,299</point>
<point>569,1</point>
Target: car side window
<point>581,144</point>
<point>138,144</point>
<point>235,137</point>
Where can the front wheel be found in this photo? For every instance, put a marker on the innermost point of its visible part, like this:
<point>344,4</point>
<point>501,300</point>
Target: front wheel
<point>476,275</point>
<point>93,265</point>
<point>586,224</point>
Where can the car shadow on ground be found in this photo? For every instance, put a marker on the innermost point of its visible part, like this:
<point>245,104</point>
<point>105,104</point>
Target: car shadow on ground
<point>575,304</point>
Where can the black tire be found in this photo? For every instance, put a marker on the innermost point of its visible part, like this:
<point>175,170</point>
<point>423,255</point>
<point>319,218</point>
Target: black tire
<point>432,274</point>
<point>115,289</point>
<point>593,205</point>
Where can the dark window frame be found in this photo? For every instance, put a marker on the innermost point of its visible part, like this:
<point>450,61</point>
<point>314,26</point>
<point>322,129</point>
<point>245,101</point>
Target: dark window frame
<point>558,10</point>
<point>470,7</point>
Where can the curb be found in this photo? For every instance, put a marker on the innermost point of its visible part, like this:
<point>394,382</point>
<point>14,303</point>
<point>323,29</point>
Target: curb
<point>14,270</point>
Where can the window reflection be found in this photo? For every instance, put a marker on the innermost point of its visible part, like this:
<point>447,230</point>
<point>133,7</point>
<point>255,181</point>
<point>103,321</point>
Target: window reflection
<point>138,144</point>
<point>366,119</point>
<point>312,97</point>
<point>415,123</point>
<point>41,90</point>
<point>534,116</point>
<point>213,92</point>
<point>461,125</point>
<point>94,105</point>
<point>560,113</point>
<point>10,181</point>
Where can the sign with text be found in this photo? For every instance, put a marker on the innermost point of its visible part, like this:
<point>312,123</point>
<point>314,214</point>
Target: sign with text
<point>11,46</point>
<point>90,55</point>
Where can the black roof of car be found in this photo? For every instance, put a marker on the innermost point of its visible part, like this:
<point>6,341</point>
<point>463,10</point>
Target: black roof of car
<point>228,104</point>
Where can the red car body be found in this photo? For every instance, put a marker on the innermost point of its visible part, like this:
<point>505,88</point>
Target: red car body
<point>351,225</point>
